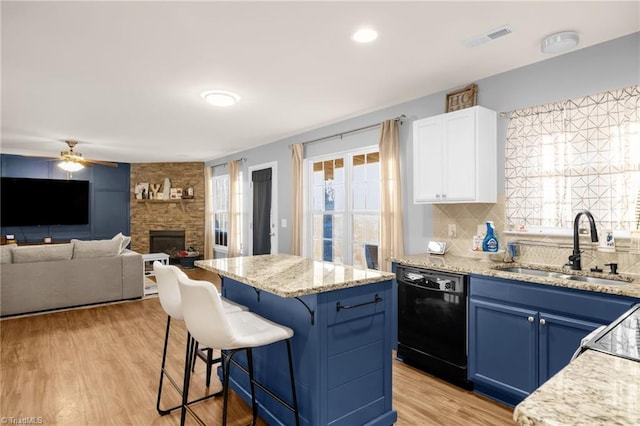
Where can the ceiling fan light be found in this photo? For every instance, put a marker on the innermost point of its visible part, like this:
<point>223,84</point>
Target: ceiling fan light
<point>70,166</point>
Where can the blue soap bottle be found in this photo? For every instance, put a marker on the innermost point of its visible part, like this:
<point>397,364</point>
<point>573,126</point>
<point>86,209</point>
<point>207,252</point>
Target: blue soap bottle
<point>490,242</point>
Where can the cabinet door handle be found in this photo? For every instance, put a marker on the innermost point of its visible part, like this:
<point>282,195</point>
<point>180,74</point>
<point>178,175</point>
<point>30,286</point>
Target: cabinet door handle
<point>542,321</point>
<point>530,319</point>
<point>376,299</point>
<point>437,195</point>
<point>444,195</point>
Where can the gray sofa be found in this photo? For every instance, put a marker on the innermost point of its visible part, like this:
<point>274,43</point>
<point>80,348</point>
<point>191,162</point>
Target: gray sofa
<point>45,277</point>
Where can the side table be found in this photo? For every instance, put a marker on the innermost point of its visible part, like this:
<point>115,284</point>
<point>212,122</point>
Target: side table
<point>152,257</point>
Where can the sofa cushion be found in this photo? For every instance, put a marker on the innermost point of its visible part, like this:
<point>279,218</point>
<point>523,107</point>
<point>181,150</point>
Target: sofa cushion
<point>42,253</point>
<point>124,241</point>
<point>97,248</point>
<point>5,253</point>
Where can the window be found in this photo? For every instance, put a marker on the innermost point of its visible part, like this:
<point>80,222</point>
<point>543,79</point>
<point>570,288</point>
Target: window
<point>580,154</point>
<point>345,211</point>
<point>220,185</point>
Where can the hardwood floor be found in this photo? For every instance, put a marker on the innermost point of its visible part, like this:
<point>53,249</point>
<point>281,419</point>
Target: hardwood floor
<point>100,366</point>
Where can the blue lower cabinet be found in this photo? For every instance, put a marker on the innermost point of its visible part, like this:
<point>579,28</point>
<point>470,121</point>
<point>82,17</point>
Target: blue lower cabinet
<point>521,334</point>
<point>502,349</point>
<point>558,339</point>
<point>342,351</point>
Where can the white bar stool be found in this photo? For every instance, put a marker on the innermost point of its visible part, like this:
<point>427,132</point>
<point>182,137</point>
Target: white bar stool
<point>209,324</point>
<point>169,295</point>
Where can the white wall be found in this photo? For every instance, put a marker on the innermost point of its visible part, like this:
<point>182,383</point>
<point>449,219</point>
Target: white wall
<point>610,65</point>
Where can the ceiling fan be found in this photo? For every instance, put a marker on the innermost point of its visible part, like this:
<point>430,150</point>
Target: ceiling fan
<point>72,161</point>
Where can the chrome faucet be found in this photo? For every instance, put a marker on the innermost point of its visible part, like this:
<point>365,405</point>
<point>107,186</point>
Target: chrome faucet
<point>574,259</point>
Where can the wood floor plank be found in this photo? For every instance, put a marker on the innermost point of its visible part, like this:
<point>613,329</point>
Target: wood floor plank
<point>100,366</point>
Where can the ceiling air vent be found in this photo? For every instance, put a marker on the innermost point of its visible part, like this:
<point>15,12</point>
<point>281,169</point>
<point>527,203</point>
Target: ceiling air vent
<point>488,36</point>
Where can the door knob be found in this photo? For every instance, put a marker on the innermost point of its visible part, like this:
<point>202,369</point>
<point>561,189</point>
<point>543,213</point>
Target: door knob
<point>542,321</point>
<point>530,319</point>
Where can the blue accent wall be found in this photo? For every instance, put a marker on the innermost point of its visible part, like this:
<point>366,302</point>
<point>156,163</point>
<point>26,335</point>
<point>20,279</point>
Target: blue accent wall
<point>108,199</point>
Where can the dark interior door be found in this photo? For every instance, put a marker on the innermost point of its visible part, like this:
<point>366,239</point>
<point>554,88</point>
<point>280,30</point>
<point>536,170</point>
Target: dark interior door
<point>261,211</point>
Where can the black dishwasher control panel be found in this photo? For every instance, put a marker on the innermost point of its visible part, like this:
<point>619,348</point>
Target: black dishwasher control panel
<point>429,279</point>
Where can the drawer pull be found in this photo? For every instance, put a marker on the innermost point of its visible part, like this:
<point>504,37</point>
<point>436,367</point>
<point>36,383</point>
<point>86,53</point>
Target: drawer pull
<point>375,300</point>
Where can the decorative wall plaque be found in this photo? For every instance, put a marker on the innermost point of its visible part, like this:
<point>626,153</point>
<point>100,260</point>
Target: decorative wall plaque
<point>463,98</point>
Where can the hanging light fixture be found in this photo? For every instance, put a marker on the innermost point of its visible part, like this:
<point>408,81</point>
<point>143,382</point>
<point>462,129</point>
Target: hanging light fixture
<point>70,166</point>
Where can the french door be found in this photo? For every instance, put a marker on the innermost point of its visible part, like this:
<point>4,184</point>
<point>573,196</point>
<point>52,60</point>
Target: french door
<point>344,223</point>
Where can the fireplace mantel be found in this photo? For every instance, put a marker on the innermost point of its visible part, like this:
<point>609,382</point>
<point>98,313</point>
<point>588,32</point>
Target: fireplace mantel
<point>183,202</point>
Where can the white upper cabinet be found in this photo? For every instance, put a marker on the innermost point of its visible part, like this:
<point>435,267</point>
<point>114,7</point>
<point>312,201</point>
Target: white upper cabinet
<point>455,157</point>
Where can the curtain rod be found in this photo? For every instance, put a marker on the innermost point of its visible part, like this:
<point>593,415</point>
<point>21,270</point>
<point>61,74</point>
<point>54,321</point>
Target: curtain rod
<point>242,159</point>
<point>399,118</point>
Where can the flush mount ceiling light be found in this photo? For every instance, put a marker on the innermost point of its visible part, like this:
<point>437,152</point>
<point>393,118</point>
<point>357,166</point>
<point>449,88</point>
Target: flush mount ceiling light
<point>220,98</point>
<point>560,42</point>
<point>364,35</point>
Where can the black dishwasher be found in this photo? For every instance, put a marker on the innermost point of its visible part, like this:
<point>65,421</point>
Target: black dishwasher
<point>432,322</point>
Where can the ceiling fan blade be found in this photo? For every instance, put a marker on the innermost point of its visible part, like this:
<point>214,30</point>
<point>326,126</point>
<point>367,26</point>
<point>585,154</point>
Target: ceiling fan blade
<point>39,156</point>
<point>102,163</point>
<point>85,163</point>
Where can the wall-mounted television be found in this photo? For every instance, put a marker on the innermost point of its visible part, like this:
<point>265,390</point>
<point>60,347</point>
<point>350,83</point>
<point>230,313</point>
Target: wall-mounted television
<point>33,202</point>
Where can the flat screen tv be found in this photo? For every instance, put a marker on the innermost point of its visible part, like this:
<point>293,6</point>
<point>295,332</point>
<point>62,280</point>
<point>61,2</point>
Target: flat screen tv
<point>33,202</point>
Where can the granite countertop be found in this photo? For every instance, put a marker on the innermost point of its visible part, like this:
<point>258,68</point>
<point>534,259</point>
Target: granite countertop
<point>630,286</point>
<point>286,275</point>
<point>594,389</point>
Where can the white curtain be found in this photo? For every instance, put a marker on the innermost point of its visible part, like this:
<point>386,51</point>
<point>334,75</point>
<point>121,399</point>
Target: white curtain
<point>297,206</point>
<point>391,238</point>
<point>579,154</point>
<point>235,210</point>
<point>208,214</point>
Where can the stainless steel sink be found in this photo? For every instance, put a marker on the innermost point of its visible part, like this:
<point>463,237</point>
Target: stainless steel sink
<point>536,272</point>
<point>596,280</point>
<point>552,274</point>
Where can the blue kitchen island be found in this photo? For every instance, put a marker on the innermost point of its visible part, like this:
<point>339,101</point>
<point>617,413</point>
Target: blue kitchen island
<point>342,347</point>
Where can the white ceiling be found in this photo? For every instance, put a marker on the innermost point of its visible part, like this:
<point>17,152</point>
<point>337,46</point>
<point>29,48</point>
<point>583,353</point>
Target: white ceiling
<point>124,78</point>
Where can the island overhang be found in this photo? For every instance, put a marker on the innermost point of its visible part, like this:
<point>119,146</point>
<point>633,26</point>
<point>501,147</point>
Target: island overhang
<point>288,276</point>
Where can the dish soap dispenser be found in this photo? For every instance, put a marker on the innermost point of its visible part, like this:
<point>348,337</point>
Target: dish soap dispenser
<point>490,242</point>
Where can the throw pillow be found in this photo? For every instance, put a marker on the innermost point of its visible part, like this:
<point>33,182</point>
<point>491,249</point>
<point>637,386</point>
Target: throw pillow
<point>5,253</point>
<point>124,241</point>
<point>97,248</point>
<point>42,253</point>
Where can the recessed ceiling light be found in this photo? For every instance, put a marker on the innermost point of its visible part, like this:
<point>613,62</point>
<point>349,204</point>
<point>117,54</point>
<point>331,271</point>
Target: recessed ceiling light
<point>220,98</point>
<point>560,42</point>
<point>364,35</point>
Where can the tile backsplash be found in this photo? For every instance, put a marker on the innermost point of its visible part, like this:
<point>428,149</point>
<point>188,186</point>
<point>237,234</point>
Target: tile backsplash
<point>534,249</point>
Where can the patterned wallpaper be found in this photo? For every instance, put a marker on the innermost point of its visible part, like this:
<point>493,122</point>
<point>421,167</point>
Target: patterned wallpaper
<point>583,153</point>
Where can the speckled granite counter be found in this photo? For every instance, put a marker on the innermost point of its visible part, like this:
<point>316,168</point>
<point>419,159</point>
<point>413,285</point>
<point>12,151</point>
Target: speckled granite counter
<point>629,287</point>
<point>595,389</point>
<point>292,276</point>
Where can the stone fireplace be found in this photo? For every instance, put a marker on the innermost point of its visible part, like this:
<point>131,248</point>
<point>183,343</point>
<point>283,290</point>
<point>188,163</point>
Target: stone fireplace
<point>173,223</point>
<point>169,242</point>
